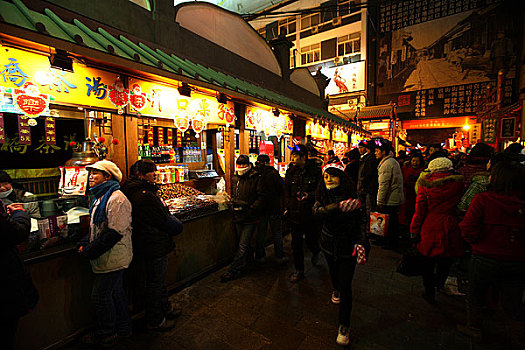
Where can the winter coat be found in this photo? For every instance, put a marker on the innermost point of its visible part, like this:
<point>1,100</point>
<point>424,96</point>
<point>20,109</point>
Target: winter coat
<point>16,289</point>
<point>436,218</point>
<point>494,226</point>
<point>152,237</point>
<point>406,211</point>
<point>273,185</point>
<point>390,180</point>
<point>296,182</point>
<point>248,197</point>
<point>341,231</point>
<point>478,184</point>
<point>19,195</point>
<point>352,171</point>
<point>474,166</point>
<point>110,248</point>
<point>367,175</point>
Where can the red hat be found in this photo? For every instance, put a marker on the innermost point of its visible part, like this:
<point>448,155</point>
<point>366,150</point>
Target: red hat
<point>336,165</point>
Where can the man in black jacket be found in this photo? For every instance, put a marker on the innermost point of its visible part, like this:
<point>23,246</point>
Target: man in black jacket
<point>271,212</point>
<point>248,197</point>
<point>301,182</point>
<point>153,231</point>
<point>16,291</point>
<point>367,181</point>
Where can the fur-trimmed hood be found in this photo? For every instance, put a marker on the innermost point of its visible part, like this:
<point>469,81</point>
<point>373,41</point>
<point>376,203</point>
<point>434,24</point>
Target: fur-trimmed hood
<point>439,179</point>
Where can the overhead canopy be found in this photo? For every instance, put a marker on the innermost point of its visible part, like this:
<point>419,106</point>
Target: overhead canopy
<point>376,112</point>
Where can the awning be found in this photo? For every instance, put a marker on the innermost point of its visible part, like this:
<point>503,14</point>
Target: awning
<point>376,112</point>
<point>75,32</point>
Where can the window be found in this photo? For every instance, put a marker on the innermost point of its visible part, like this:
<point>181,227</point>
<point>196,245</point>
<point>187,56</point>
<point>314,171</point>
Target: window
<point>349,44</point>
<point>345,7</point>
<point>310,54</point>
<point>287,26</point>
<point>142,3</point>
<point>308,21</point>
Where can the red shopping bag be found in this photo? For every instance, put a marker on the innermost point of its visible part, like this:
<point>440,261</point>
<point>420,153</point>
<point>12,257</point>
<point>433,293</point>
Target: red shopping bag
<point>379,223</point>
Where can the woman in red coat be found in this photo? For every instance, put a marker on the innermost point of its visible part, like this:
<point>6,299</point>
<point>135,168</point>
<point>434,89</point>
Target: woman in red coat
<point>411,173</point>
<point>495,227</point>
<point>436,224</point>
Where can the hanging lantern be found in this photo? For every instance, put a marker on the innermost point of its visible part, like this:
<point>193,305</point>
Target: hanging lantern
<point>137,98</point>
<point>198,124</point>
<point>118,96</point>
<point>182,122</point>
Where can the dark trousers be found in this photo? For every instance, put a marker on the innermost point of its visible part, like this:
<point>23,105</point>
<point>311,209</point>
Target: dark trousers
<point>435,272</point>
<point>392,236</point>
<point>111,306</point>
<point>342,274</point>
<point>369,202</point>
<point>275,224</point>
<point>507,276</point>
<point>8,329</point>
<point>156,294</point>
<point>244,253</point>
<point>311,232</point>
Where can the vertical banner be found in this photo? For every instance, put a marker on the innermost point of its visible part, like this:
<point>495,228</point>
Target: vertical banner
<point>2,131</point>
<point>150,136</point>
<point>170,136</point>
<point>24,130</point>
<point>179,139</point>
<point>160,133</point>
<point>489,130</point>
<point>141,134</point>
<point>51,135</point>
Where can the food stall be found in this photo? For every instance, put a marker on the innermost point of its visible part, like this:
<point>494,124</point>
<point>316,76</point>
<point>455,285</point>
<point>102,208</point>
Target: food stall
<point>340,142</point>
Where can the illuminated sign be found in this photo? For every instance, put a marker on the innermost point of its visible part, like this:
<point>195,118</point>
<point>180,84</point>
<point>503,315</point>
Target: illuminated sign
<point>346,78</point>
<point>339,135</point>
<point>264,120</point>
<point>317,131</point>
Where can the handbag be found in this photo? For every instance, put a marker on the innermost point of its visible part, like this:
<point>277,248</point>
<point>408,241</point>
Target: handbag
<point>411,264</point>
<point>379,223</point>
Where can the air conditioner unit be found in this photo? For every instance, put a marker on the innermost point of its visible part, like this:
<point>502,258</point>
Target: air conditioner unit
<point>336,21</point>
<point>338,59</point>
<point>315,29</point>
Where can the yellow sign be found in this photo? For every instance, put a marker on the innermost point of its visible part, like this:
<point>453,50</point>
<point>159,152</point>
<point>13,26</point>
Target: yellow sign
<point>85,86</point>
<point>317,131</point>
<point>263,120</point>
<point>339,135</point>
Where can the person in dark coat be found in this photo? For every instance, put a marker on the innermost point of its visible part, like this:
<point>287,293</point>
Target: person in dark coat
<point>352,166</point>
<point>248,197</point>
<point>271,211</point>
<point>342,235</point>
<point>477,161</point>
<point>332,158</point>
<point>14,226</point>
<point>300,184</point>
<point>436,223</point>
<point>494,226</point>
<point>11,192</point>
<point>411,172</point>
<point>367,178</point>
<point>153,231</point>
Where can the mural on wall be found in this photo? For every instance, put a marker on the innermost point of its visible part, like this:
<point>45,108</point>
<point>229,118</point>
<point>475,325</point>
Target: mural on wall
<point>441,66</point>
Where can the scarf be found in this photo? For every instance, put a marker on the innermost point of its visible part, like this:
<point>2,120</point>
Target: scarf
<point>103,190</point>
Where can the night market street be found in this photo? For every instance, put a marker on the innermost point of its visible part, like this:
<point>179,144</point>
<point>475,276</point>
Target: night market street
<point>263,310</point>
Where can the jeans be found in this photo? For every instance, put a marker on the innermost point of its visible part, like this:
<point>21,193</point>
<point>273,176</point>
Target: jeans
<point>245,232</point>
<point>311,231</point>
<point>274,221</point>
<point>111,306</point>
<point>342,274</point>
<point>435,272</point>
<point>156,294</point>
<point>507,275</point>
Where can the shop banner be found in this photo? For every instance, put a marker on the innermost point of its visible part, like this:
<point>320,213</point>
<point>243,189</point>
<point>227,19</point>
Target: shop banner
<point>508,128</point>
<point>489,130</point>
<point>84,86</point>
<point>149,132</point>
<point>317,131</point>
<point>2,130</point>
<point>160,133</point>
<point>264,120</point>
<point>339,135</point>
<point>50,130</point>
<point>169,136</point>
<point>24,130</point>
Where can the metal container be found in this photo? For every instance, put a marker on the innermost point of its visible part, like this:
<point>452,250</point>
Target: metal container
<point>84,157</point>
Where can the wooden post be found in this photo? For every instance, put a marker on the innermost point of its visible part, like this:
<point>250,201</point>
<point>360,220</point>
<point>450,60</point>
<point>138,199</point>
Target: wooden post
<point>229,156</point>
<point>244,135</point>
<point>132,140</point>
<point>118,154</point>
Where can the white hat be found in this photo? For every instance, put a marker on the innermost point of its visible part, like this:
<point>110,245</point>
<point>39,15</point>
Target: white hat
<point>440,164</point>
<point>107,166</point>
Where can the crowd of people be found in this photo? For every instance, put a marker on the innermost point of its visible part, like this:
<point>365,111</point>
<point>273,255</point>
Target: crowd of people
<point>447,207</point>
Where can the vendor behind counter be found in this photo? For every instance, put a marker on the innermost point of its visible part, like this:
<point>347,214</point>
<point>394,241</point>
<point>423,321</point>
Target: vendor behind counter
<point>13,193</point>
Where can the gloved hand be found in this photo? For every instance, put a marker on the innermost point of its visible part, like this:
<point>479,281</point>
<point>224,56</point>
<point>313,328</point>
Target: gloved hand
<point>359,254</point>
<point>349,205</point>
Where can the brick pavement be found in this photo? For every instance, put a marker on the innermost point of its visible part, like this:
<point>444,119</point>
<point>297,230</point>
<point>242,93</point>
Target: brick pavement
<point>263,310</point>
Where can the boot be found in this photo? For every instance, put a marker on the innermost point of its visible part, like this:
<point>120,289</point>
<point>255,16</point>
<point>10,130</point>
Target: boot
<point>474,323</point>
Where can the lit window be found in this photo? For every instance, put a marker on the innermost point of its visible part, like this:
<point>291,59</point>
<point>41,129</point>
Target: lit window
<point>349,44</point>
<point>142,3</point>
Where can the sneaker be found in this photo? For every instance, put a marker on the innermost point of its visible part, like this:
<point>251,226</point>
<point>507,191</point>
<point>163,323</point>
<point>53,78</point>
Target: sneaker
<point>315,259</point>
<point>282,261</point>
<point>343,336</point>
<point>164,326</point>
<point>296,276</point>
<point>336,297</point>
<point>228,276</point>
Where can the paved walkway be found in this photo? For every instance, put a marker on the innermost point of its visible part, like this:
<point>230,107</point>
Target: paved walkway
<point>263,310</point>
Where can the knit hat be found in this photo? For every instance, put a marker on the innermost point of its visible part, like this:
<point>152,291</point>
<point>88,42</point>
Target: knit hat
<point>4,177</point>
<point>335,165</point>
<point>440,164</point>
<point>243,159</point>
<point>107,166</point>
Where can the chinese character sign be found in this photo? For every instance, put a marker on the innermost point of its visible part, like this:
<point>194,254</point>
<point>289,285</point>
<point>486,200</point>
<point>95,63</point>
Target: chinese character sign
<point>30,100</point>
<point>489,130</point>
<point>2,130</point>
<point>50,132</point>
<point>24,130</point>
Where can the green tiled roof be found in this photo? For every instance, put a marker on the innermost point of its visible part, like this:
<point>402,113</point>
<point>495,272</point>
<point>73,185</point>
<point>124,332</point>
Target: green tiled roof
<point>14,12</point>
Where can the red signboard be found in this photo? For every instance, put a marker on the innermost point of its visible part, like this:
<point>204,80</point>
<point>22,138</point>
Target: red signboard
<point>266,147</point>
<point>2,131</point>
<point>438,123</point>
